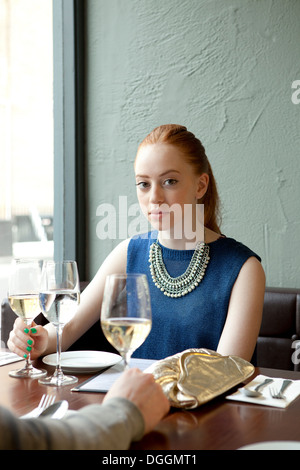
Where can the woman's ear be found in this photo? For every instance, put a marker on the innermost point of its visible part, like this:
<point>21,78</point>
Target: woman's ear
<point>203,181</point>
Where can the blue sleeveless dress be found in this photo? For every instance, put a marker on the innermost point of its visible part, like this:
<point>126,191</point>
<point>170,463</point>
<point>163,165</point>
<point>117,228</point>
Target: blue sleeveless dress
<point>197,319</point>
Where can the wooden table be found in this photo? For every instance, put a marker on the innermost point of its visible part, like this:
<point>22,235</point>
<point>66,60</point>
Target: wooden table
<point>219,424</point>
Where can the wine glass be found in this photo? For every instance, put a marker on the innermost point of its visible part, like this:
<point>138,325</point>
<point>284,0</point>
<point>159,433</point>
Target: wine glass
<point>59,297</point>
<point>126,312</point>
<point>23,297</point>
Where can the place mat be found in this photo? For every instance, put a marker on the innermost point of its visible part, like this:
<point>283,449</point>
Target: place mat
<point>7,357</point>
<point>290,393</point>
<point>102,382</point>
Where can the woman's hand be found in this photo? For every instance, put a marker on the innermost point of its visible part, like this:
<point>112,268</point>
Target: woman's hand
<point>24,340</point>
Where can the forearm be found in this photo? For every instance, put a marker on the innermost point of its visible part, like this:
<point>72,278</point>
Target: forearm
<point>111,426</point>
<point>70,334</point>
<point>51,344</point>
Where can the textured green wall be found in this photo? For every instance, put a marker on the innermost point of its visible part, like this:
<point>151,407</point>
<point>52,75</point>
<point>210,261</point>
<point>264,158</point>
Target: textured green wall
<point>224,69</point>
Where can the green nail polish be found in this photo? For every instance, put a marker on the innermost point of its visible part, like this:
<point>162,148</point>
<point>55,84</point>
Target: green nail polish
<point>33,330</point>
<point>26,330</point>
<point>28,348</point>
<point>25,356</point>
<point>30,342</point>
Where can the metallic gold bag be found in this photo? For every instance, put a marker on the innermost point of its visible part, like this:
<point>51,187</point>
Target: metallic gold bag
<point>195,376</point>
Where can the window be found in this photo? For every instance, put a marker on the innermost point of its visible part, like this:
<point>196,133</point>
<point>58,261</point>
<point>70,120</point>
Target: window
<point>26,132</point>
<point>42,182</point>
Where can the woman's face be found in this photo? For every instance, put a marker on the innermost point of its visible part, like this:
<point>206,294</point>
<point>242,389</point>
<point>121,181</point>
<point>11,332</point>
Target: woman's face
<point>165,184</point>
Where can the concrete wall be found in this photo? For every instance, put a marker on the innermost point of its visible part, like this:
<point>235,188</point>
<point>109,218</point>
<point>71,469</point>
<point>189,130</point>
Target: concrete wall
<point>224,69</point>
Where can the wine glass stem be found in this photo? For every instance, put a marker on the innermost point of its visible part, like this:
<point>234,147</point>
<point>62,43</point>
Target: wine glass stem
<point>58,370</point>
<point>28,364</point>
<point>126,359</point>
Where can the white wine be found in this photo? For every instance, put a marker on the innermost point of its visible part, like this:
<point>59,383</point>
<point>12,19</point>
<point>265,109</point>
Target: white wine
<point>126,334</point>
<point>26,306</point>
<point>59,306</point>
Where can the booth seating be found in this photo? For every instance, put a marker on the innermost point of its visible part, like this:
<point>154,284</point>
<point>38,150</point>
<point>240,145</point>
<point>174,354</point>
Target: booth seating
<point>279,336</point>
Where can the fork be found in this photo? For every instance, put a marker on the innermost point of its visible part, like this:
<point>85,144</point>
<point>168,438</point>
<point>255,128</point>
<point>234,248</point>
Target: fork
<point>45,401</point>
<point>279,394</point>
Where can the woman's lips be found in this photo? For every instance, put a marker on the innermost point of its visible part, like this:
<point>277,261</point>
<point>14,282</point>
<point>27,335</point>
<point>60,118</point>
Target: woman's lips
<point>157,214</point>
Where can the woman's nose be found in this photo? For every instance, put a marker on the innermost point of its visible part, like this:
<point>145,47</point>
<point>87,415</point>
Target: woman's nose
<point>156,194</point>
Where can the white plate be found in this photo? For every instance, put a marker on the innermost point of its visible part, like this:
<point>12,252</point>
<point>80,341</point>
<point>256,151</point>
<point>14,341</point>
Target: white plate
<point>273,445</point>
<point>83,361</point>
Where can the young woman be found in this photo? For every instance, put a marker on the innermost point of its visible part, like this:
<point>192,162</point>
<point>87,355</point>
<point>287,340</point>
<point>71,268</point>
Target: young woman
<point>207,290</point>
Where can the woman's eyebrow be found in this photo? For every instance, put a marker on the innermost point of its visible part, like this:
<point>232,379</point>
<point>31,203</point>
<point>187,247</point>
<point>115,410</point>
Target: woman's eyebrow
<point>162,174</point>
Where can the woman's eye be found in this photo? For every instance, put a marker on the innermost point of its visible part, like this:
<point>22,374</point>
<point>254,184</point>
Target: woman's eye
<point>142,185</point>
<point>170,182</point>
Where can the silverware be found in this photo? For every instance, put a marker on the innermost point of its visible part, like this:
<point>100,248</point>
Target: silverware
<point>255,393</point>
<point>56,411</point>
<point>276,394</point>
<point>45,401</point>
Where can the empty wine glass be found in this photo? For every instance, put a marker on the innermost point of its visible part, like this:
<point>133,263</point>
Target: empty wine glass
<point>126,312</point>
<point>59,297</point>
<point>23,296</point>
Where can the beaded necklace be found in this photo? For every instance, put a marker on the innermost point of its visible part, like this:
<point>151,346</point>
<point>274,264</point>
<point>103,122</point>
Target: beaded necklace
<point>186,282</point>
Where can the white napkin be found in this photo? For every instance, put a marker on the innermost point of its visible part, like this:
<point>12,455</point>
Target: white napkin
<point>290,393</point>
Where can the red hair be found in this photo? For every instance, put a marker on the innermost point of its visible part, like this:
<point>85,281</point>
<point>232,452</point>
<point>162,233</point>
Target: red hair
<point>194,152</point>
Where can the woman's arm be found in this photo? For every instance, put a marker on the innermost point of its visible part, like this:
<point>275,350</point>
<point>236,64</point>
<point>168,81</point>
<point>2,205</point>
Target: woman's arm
<point>89,309</point>
<point>88,312</point>
<point>244,316</point>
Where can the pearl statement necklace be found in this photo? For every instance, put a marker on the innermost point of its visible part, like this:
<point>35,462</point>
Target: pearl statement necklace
<point>186,282</point>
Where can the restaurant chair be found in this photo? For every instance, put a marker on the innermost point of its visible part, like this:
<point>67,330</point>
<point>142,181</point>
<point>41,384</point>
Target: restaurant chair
<point>280,330</point>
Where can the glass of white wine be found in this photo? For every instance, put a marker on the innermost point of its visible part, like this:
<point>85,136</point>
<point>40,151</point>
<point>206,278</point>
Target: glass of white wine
<point>23,296</point>
<point>59,297</point>
<point>126,318</point>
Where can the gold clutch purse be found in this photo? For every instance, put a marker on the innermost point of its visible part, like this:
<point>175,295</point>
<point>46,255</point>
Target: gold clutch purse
<point>195,376</point>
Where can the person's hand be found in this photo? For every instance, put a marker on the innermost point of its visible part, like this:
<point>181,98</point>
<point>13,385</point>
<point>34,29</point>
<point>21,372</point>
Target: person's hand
<point>142,390</point>
<point>24,340</point>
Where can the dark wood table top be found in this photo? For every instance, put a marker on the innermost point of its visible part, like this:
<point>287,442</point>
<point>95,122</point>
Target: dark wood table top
<point>219,424</point>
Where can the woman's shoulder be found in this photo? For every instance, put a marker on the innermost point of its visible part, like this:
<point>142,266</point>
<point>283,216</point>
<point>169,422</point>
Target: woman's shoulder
<point>116,259</point>
<point>121,250</point>
<point>232,247</point>
<point>140,239</point>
